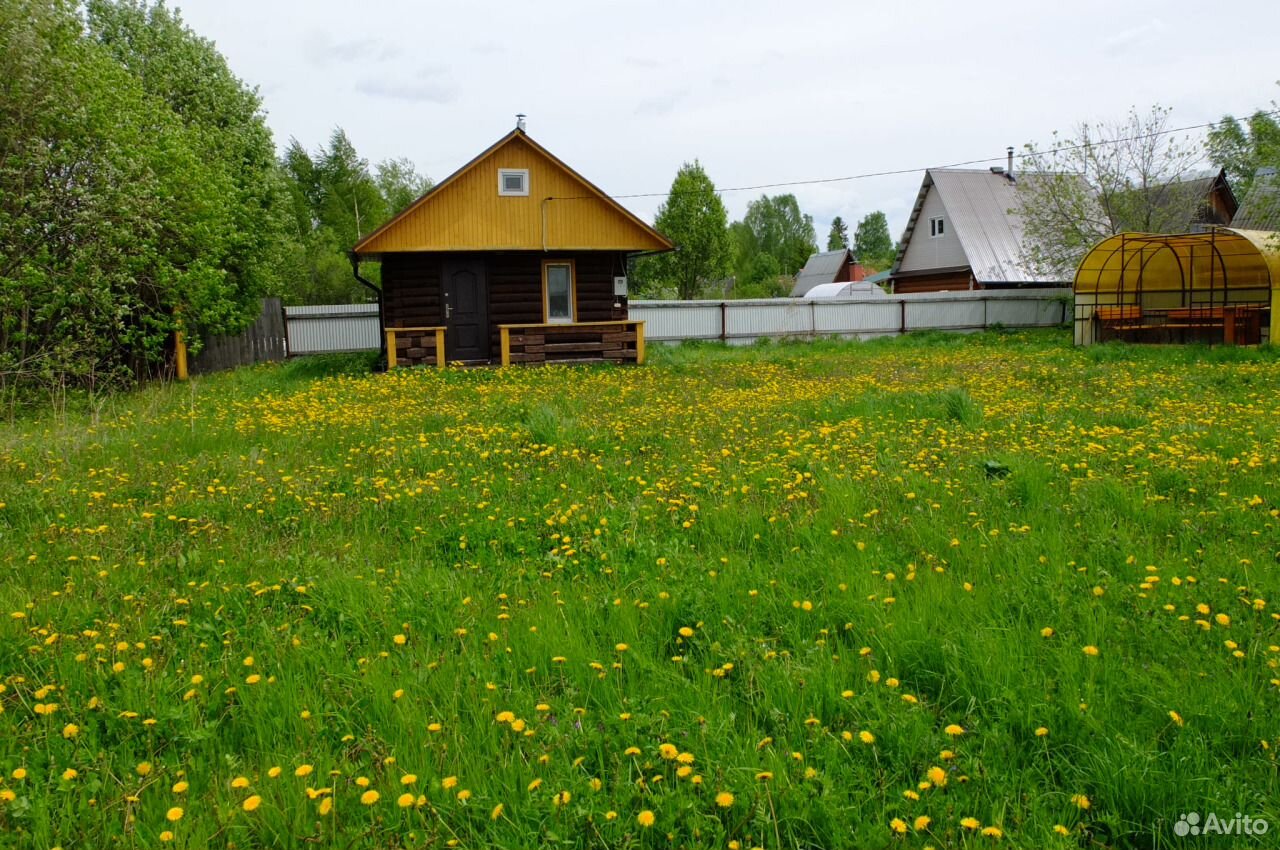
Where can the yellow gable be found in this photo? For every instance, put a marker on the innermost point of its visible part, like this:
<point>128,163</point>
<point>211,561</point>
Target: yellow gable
<point>561,211</point>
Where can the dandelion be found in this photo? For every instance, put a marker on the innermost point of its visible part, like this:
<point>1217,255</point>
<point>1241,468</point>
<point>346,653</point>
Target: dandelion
<point>1090,650</point>
<point>180,787</point>
<point>764,776</point>
<point>954,730</point>
<point>251,803</point>
<point>1081,801</point>
<point>1061,830</point>
<point>922,823</point>
<point>866,737</point>
<point>19,773</point>
<point>970,823</point>
<point>71,730</point>
<point>645,818</point>
<point>240,782</point>
<point>1042,731</point>
<point>993,832</point>
<point>497,812</point>
<point>174,814</point>
<point>1175,717</point>
<point>465,795</point>
<point>724,799</point>
<point>166,836</point>
<point>898,825</point>
<point>408,779</point>
<point>368,798</point>
<point>326,805</point>
<point>668,751</point>
<point>448,782</point>
<point>405,800</point>
<point>303,770</point>
<point>69,774</point>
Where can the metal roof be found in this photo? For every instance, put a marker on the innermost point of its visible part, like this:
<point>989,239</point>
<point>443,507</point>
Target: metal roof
<point>1260,209</point>
<point>981,206</point>
<point>820,268</point>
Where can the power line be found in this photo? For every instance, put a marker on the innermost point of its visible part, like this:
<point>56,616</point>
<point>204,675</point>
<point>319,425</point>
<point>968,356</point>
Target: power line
<point>900,171</point>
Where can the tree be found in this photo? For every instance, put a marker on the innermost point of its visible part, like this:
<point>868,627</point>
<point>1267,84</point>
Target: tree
<point>400,183</point>
<point>138,192</point>
<point>1244,148</point>
<point>1104,179</point>
<point>694,218</point>
<point>774,226</point>
<point>838,236</point>
<point>872,244</point>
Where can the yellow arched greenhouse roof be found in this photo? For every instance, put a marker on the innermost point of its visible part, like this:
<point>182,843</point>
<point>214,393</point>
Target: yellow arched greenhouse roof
<point>1222,259</point>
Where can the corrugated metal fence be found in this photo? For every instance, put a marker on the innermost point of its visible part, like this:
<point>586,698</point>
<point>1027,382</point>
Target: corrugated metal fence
<point>354,327</point>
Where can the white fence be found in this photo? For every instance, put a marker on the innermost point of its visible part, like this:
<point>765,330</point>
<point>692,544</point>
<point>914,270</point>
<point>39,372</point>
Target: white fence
<point>742,322</point>
<point>354,327</point>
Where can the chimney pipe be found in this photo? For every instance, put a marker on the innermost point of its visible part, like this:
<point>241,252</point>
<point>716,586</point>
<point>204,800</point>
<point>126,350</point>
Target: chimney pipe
<point>520,116</point>
<point>1009,169</point>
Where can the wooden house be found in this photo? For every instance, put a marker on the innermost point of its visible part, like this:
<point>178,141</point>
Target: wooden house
<point>515,257</point>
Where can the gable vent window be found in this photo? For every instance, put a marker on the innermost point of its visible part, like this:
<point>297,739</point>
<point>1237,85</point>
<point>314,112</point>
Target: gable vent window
<point>937,226</point>
<point>513,181</point>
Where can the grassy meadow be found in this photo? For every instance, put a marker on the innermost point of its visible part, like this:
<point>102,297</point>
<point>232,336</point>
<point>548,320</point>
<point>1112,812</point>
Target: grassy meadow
<point>938,591</point>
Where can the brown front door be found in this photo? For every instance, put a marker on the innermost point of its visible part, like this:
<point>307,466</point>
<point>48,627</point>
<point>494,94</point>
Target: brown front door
<point>466,298</point>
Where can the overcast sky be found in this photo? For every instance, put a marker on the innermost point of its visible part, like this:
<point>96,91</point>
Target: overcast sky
<point>759,92</point>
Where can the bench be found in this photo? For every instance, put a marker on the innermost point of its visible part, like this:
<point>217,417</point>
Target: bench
<point>1127,317</point>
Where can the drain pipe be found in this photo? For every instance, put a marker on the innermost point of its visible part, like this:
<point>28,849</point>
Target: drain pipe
<point>377,293</point>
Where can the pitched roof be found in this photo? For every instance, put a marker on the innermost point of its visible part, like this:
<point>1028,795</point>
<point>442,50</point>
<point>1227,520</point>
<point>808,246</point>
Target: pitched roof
<point>820,268</point>
<point>981,206</point>
<point>645,237</point>
<point>1260,209</point>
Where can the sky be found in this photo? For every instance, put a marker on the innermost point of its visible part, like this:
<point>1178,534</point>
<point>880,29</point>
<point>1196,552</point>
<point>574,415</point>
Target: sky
<point>758,92</point>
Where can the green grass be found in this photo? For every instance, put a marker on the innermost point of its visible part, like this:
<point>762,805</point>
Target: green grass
<point>754,555</point>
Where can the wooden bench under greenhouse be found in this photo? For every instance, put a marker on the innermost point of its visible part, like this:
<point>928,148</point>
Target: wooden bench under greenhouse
<point>615,341</point>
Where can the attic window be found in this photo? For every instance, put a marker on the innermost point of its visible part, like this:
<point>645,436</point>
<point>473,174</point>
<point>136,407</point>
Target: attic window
<point>937,226</point>
<point>513,181</point>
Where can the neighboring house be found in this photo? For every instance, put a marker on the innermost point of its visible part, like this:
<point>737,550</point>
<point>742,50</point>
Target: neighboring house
<point>515,237</point>
<point>965,231</point>
<point>1260,209</point>
<point>1219,207</point>
<point>827,267</point>
<point>964,234</point>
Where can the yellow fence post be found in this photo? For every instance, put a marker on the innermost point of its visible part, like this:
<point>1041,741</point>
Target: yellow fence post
<point>505,333</point>
<point>391,348</point>
<point>180,355</point>
<point>1274,335</point>
<point>439,348</point>
<point>639,343</point>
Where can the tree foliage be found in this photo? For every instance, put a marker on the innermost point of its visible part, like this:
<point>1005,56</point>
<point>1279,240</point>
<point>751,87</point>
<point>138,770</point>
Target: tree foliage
<point>771,243</point>
<point>1102,180</point>
<point>138,191</point>
<point>838,235</point>
<point>694,218</point>
<point>872,244</point>
<point>1243,148</point>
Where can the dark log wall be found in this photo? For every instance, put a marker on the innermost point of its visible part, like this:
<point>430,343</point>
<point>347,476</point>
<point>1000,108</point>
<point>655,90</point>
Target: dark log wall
<point>951,282</point>
<point>411,288</point>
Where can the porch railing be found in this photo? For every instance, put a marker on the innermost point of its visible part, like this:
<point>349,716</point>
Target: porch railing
<point>415,347</point>
<point>616,341</point>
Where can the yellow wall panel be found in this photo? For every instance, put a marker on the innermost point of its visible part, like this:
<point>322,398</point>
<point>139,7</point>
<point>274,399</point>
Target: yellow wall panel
<point>466,213</point>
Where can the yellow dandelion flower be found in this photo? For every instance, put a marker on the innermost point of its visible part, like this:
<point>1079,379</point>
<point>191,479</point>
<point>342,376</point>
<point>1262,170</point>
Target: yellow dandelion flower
<point>240,782</point>
<point>174,814</point>
<point>71,730</point>
<point>448,782</point>
<point>465,795</point>
<point>251,803</point>
<point>368,798</point>
<point>724,799</point>
<point>166,836</point>
<point>405,800</point>
<point>954,730</point>
<point>326,805</point>
<point>70,774</point>
<point>1090,650</point>
<point>1081,801</point>
<point>143,768</point>
<point>180,787</point>
<point>898,825</point>
<point>993,832</point>
<point>970,823</point>
<point>922,823</point>
<point>645,818</point>
<point>866,737</point>
<point>497,812</point>
<point>303,770</point>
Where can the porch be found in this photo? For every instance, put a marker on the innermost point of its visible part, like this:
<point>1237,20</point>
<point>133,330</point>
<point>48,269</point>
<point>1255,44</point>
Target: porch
<point>620,341</point>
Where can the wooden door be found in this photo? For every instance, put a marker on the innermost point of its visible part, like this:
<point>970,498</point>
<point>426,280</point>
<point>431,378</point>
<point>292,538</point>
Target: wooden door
<point>466,300</point>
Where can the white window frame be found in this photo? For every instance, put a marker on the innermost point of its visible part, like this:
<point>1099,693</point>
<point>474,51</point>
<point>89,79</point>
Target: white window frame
<point>547,318</point>
<point>503,173</point>
<point>937,226</point>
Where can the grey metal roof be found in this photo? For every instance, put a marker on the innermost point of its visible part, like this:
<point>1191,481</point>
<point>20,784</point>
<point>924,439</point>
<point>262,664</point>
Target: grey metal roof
<point>1260,209</point>
<point>981,207</point>
<point>820,268</point>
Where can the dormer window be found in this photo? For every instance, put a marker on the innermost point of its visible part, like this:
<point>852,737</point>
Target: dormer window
<point>513,181</point>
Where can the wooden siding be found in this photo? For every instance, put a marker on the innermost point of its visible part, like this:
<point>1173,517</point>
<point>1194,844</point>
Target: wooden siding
<point>411,288</point>
<point>466,213</point>
<point>947,282</point>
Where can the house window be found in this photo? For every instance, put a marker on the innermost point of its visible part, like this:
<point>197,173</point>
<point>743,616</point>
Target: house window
<point>557,292</point>
<point>937,226</point>
<point>513,181</point>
